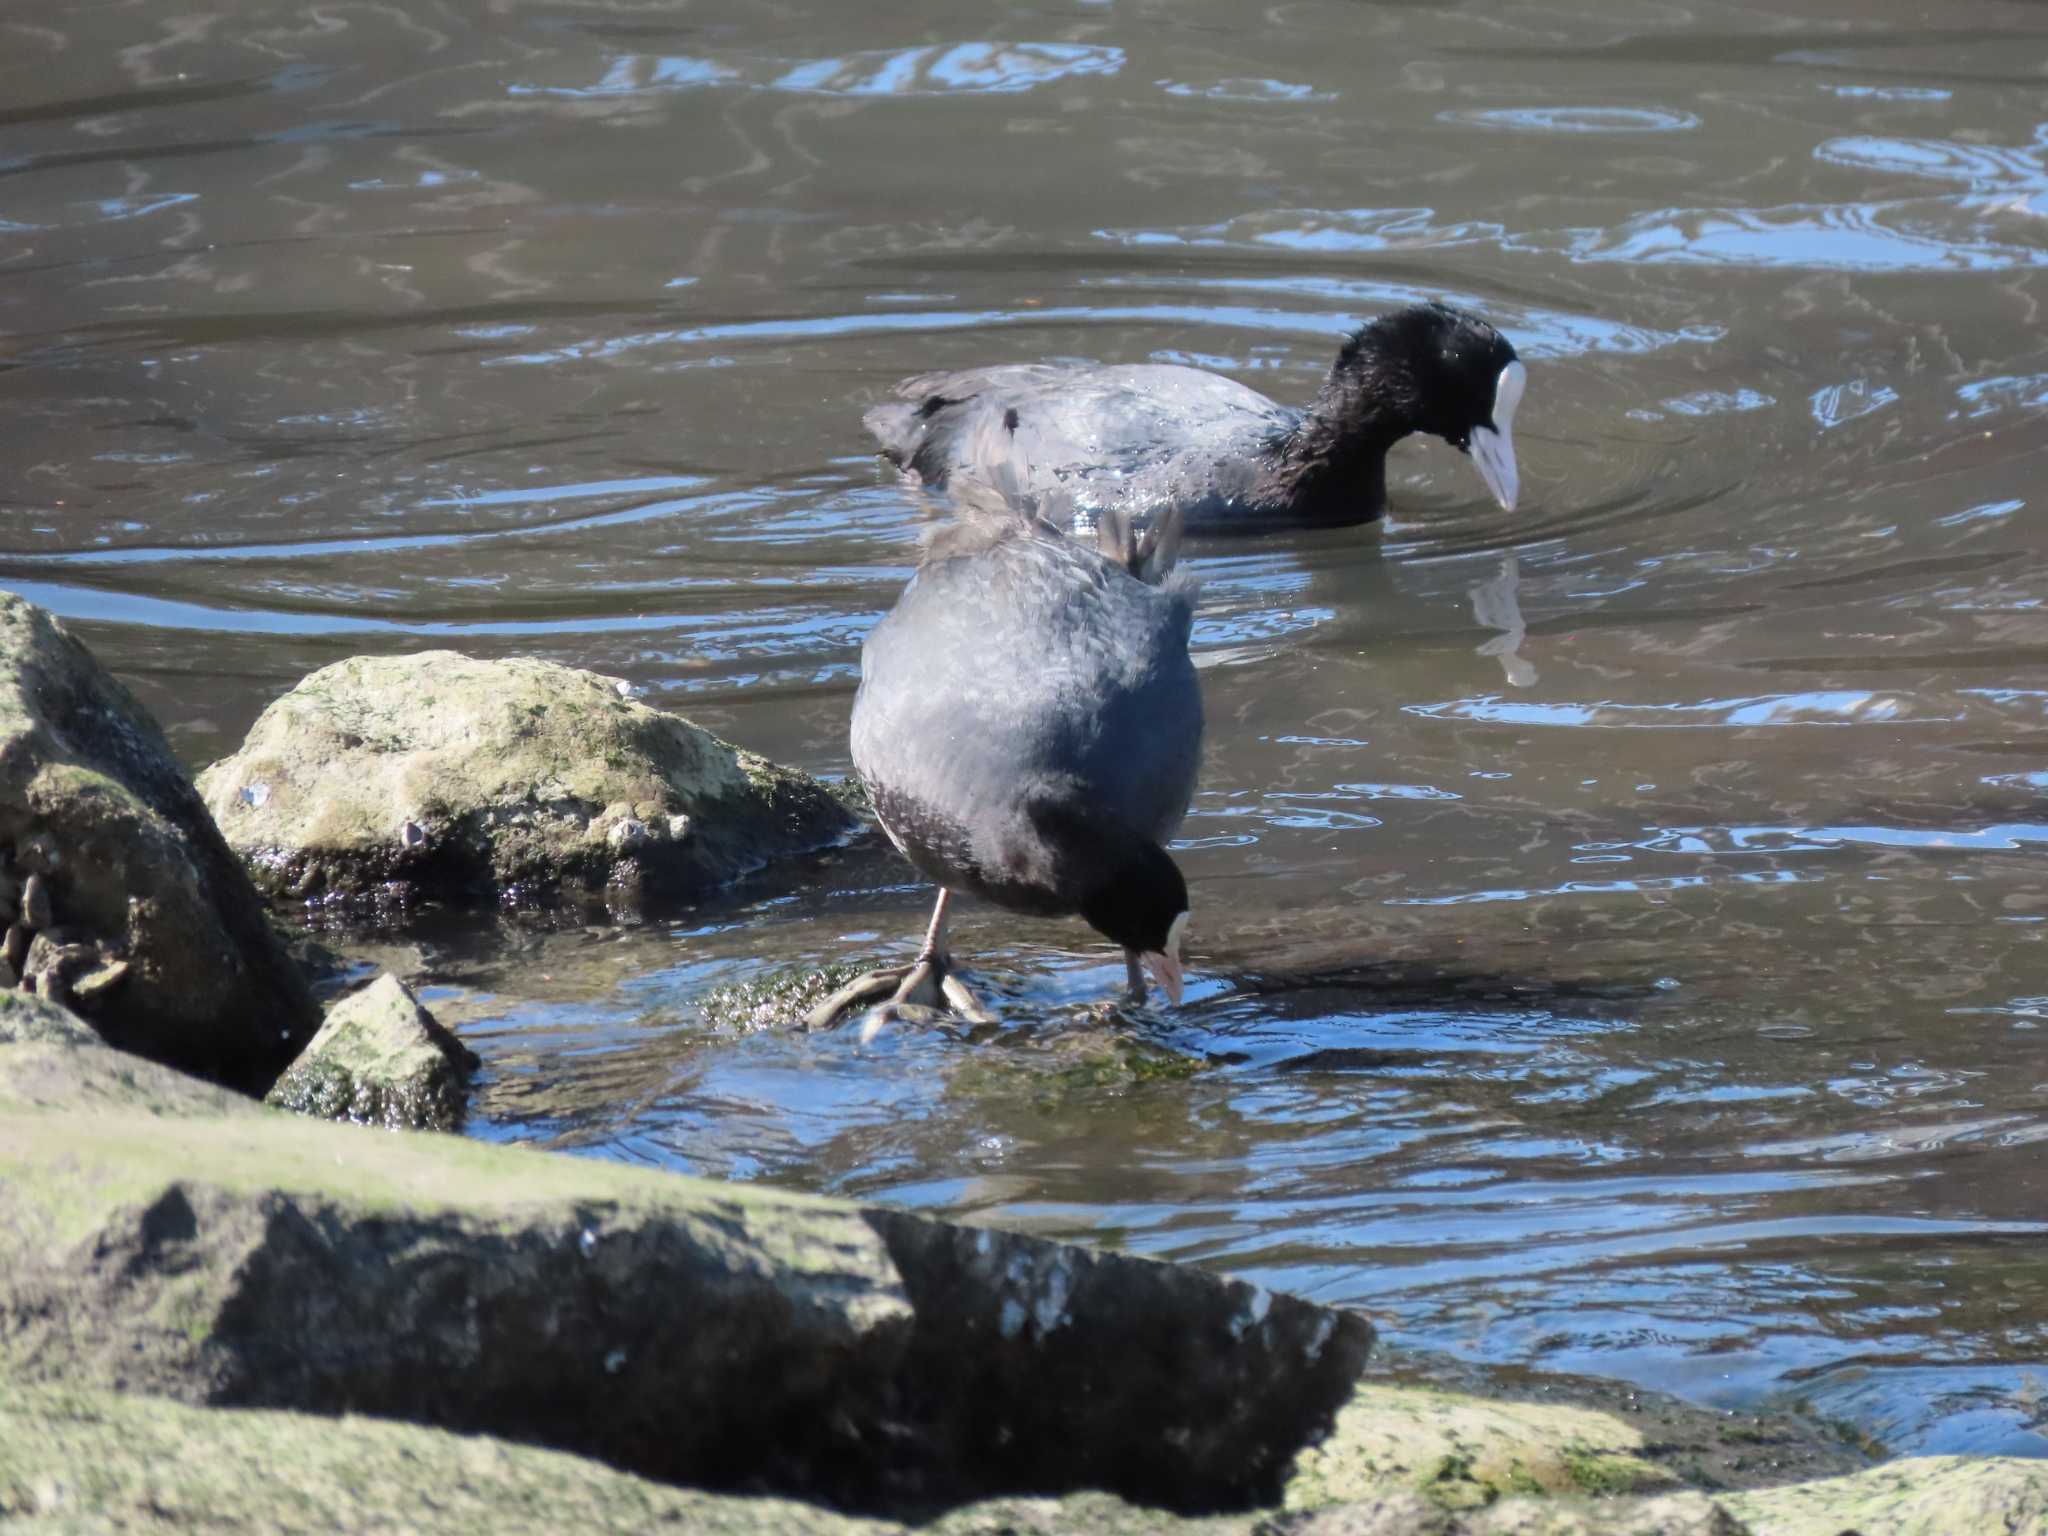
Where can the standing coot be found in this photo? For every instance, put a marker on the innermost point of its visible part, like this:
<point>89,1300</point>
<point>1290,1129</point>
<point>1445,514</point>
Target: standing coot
<point>1145,437</point>
<point>1028,726</point>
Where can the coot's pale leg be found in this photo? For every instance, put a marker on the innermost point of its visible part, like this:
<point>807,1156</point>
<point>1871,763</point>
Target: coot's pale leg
<point>935,935</point>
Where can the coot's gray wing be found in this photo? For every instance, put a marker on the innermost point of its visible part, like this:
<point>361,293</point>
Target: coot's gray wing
<point>1028,669</point>
<point>1137,437</point>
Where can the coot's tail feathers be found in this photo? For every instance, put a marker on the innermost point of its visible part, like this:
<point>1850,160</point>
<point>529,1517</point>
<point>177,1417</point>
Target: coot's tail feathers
<point>1114,538</point>
<point>1148,556</point>
<point>1159,550</point>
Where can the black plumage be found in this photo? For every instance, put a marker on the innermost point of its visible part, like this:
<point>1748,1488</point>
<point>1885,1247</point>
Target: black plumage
<point>1029,727</point>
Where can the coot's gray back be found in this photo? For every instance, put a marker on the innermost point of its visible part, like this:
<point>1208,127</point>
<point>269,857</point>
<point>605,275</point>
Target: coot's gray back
<point>1132,438</point>
<point>1141,440</point>
<point>1024,669</point>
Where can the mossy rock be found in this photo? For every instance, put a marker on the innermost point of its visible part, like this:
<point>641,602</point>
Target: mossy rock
<point>1463,1452</point>
<point>778,1000</point>
<point>75,1460</point>
<point>442,775</point>
<point>1914,1496</point>
<point>380,1059</point>
<point>92,1460</point>
<point>156,1238</point>
<point>169,951</point>
<point>28,1020</point>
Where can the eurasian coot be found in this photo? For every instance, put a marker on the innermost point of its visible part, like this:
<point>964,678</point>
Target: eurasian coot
<point>1028,727</point>
<point>1145,437</point>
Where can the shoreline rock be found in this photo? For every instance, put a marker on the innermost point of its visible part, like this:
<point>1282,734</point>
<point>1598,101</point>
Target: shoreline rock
<point>440,776</point>
<point>118,897</point>
<point>190,1283</point>
<point>156,1237</point>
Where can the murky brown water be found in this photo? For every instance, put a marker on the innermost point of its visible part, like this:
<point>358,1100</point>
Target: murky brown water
<point>1619,924</point>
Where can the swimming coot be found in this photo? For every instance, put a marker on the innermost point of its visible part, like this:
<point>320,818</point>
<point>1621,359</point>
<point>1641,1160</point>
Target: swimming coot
<point>1144,437</point>
<point>1028,727</point>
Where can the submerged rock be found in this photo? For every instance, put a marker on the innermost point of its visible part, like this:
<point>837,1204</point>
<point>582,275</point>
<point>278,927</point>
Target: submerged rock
<point>380,1059</point>
<point>156,1239</point>
<point>442,775</point>
<point>117,896</point>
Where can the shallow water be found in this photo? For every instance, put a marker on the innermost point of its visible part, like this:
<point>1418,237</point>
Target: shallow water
<point>1618,924</point>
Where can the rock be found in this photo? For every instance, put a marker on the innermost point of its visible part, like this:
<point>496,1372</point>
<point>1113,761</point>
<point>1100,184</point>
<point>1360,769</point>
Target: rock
<point>158,1236</point>
<point>380,1059</point>
<point>1916,1496</point>
<point>99,1461</point>
<point>1400,1513</point>
<point>61,952</point>
<point>93,985</point>
<point>442,775</point>
<point>27,1020</point>
<point>84,1460</point>
<point>122,853</point>
<point>52,1060</point>
<point>35,904</point>
<point>1465,1453</point>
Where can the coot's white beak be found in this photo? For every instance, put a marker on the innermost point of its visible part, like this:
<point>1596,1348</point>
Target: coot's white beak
<point>1493,448</point>
<point>1164,966</point>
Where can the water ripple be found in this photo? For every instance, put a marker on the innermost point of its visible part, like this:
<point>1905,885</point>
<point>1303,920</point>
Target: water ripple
<point>1573,119</point>
<point>1839,707</point>
<point>939,69</point>
<point>1849,237</point>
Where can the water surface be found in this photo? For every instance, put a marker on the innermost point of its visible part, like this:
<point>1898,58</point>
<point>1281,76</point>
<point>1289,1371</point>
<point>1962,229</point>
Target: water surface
<point>1619,924</point>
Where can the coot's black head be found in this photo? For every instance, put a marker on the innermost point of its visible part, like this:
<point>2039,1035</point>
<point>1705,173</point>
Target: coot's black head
<point>1143,905</point>
<point>1431,368</point>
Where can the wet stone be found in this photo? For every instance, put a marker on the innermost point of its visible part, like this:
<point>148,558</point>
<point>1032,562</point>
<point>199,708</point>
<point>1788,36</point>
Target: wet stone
<point>14,949</point>
<point>94,985</point>
<point>35,903</point>
<point>60,952</point>
<point>380,1059</point>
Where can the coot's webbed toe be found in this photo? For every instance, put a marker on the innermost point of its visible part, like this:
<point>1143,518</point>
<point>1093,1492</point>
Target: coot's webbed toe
<point>927,991</point>
<point>927,988</point>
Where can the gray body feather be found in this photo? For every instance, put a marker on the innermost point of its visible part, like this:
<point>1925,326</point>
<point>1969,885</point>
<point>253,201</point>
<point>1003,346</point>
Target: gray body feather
<point>1135,439</point>
<point>1026,707</point>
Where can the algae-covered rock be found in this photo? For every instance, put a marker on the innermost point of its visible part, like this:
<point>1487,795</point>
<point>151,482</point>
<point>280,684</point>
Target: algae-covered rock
<point>160,1242</point>
<point>1465,1452</point>
<point>778,1000</point>
<point>1916,1496</point>
<point>50,1066</point>
<point>442,775</point>
<point>380,1059</point>
<point>83,1460</point>
<point>25,1020</point>
<point>117,896</point>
